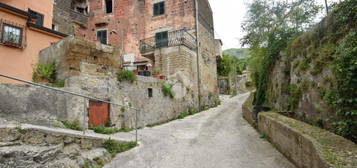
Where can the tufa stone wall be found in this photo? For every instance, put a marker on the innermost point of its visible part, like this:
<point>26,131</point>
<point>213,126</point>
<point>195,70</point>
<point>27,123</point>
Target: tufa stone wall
<point>173,59</point>
<point>70,52</point>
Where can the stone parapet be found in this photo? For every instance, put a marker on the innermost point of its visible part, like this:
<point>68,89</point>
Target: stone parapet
<point>306,145</point>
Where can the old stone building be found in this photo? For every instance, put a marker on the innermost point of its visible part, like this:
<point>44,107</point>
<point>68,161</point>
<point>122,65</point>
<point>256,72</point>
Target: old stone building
<point>155,35</point>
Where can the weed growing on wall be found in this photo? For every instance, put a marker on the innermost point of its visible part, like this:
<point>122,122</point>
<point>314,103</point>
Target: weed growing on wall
<point>44,72</point>
<point>167,90</point>
<point>74,125</point>
<point>47,73</point>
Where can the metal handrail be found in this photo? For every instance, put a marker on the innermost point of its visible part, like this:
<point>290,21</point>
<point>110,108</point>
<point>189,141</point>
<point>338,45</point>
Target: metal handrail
<point>77,94</point>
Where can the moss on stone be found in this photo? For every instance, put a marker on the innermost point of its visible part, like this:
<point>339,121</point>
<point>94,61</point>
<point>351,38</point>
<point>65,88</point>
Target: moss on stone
<point>336,150</point>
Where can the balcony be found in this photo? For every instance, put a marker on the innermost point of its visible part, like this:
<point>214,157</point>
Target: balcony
<point>174,38</point>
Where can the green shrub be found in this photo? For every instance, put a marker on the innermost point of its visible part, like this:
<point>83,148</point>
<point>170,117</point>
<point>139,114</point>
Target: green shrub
<point>304,64</point>
<point>156,72</point>
<point>115,147</point>
<point>122,109</point>
<point>126,75</point>
<point>44,71</point>
<point>74,125</point>
<point>345,96</point>
<point>167,90</point>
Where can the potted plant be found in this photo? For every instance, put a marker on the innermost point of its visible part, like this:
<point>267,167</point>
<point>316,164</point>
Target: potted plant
<point>136,72</point>
<point>156,73</point>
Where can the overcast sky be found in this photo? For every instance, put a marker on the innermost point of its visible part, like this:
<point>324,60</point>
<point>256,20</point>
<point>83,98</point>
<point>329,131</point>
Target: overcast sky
<point>228,16</point>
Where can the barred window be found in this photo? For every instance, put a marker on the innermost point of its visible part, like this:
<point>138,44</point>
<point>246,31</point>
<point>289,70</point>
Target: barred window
<point>12,34</point>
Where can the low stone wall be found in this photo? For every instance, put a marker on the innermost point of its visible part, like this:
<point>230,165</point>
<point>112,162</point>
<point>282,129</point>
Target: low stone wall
<point>41,106</point>
<point>248,113</point>
<point>35,147</point>
<point>306,145</point>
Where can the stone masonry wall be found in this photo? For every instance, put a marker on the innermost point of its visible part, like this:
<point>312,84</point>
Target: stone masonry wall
<point>157,108</point>
<point>67,20</point>
<point>208,66</point>
<point>30,104</point>
<point>132,21</point>
<point>90,78</point>
<point>45,147</point>
<point>70,52</point>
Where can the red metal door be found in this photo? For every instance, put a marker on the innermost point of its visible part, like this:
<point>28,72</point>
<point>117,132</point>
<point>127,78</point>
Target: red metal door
<point>98,113</point>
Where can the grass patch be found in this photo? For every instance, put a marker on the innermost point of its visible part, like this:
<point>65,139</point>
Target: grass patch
<point>74,125</point>
<point>126,75</point>
<point>105,130</point>
<point>115,147</point>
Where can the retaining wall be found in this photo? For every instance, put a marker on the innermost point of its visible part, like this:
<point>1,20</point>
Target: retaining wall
<point>305,145</point>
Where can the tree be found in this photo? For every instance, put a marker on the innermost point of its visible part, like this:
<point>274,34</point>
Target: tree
<point>268,28</point>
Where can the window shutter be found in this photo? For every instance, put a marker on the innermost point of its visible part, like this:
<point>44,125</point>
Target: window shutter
<point>156,9</point>
<point>162,7</point>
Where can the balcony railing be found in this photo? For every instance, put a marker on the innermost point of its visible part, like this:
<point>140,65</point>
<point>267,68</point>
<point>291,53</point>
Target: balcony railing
<point>174,38</point>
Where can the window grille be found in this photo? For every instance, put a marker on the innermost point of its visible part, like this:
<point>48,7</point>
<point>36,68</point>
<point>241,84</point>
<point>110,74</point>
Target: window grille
<point>12,34</point>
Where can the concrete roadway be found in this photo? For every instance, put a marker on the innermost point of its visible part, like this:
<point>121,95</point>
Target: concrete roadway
<point>217,138</point>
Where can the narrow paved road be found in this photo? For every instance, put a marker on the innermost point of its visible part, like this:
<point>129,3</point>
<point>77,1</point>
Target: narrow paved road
<point>217,138</point>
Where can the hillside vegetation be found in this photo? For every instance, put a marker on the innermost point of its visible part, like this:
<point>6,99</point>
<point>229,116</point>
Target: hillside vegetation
<point>239,53</point>
<point>306,71</point>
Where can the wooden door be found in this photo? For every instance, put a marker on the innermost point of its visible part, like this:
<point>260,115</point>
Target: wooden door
<point>98,113</point>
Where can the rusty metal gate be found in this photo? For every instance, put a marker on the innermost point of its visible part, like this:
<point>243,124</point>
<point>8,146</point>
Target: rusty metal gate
<point>98,113</point>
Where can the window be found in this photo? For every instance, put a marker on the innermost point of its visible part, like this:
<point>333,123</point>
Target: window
<point>159,8</point>
<point>161,39</point>
<point>102,36</point>
<point>39,17</point>
<point>12,35</point>
<point>150,92</point>
<point>108,6</point>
